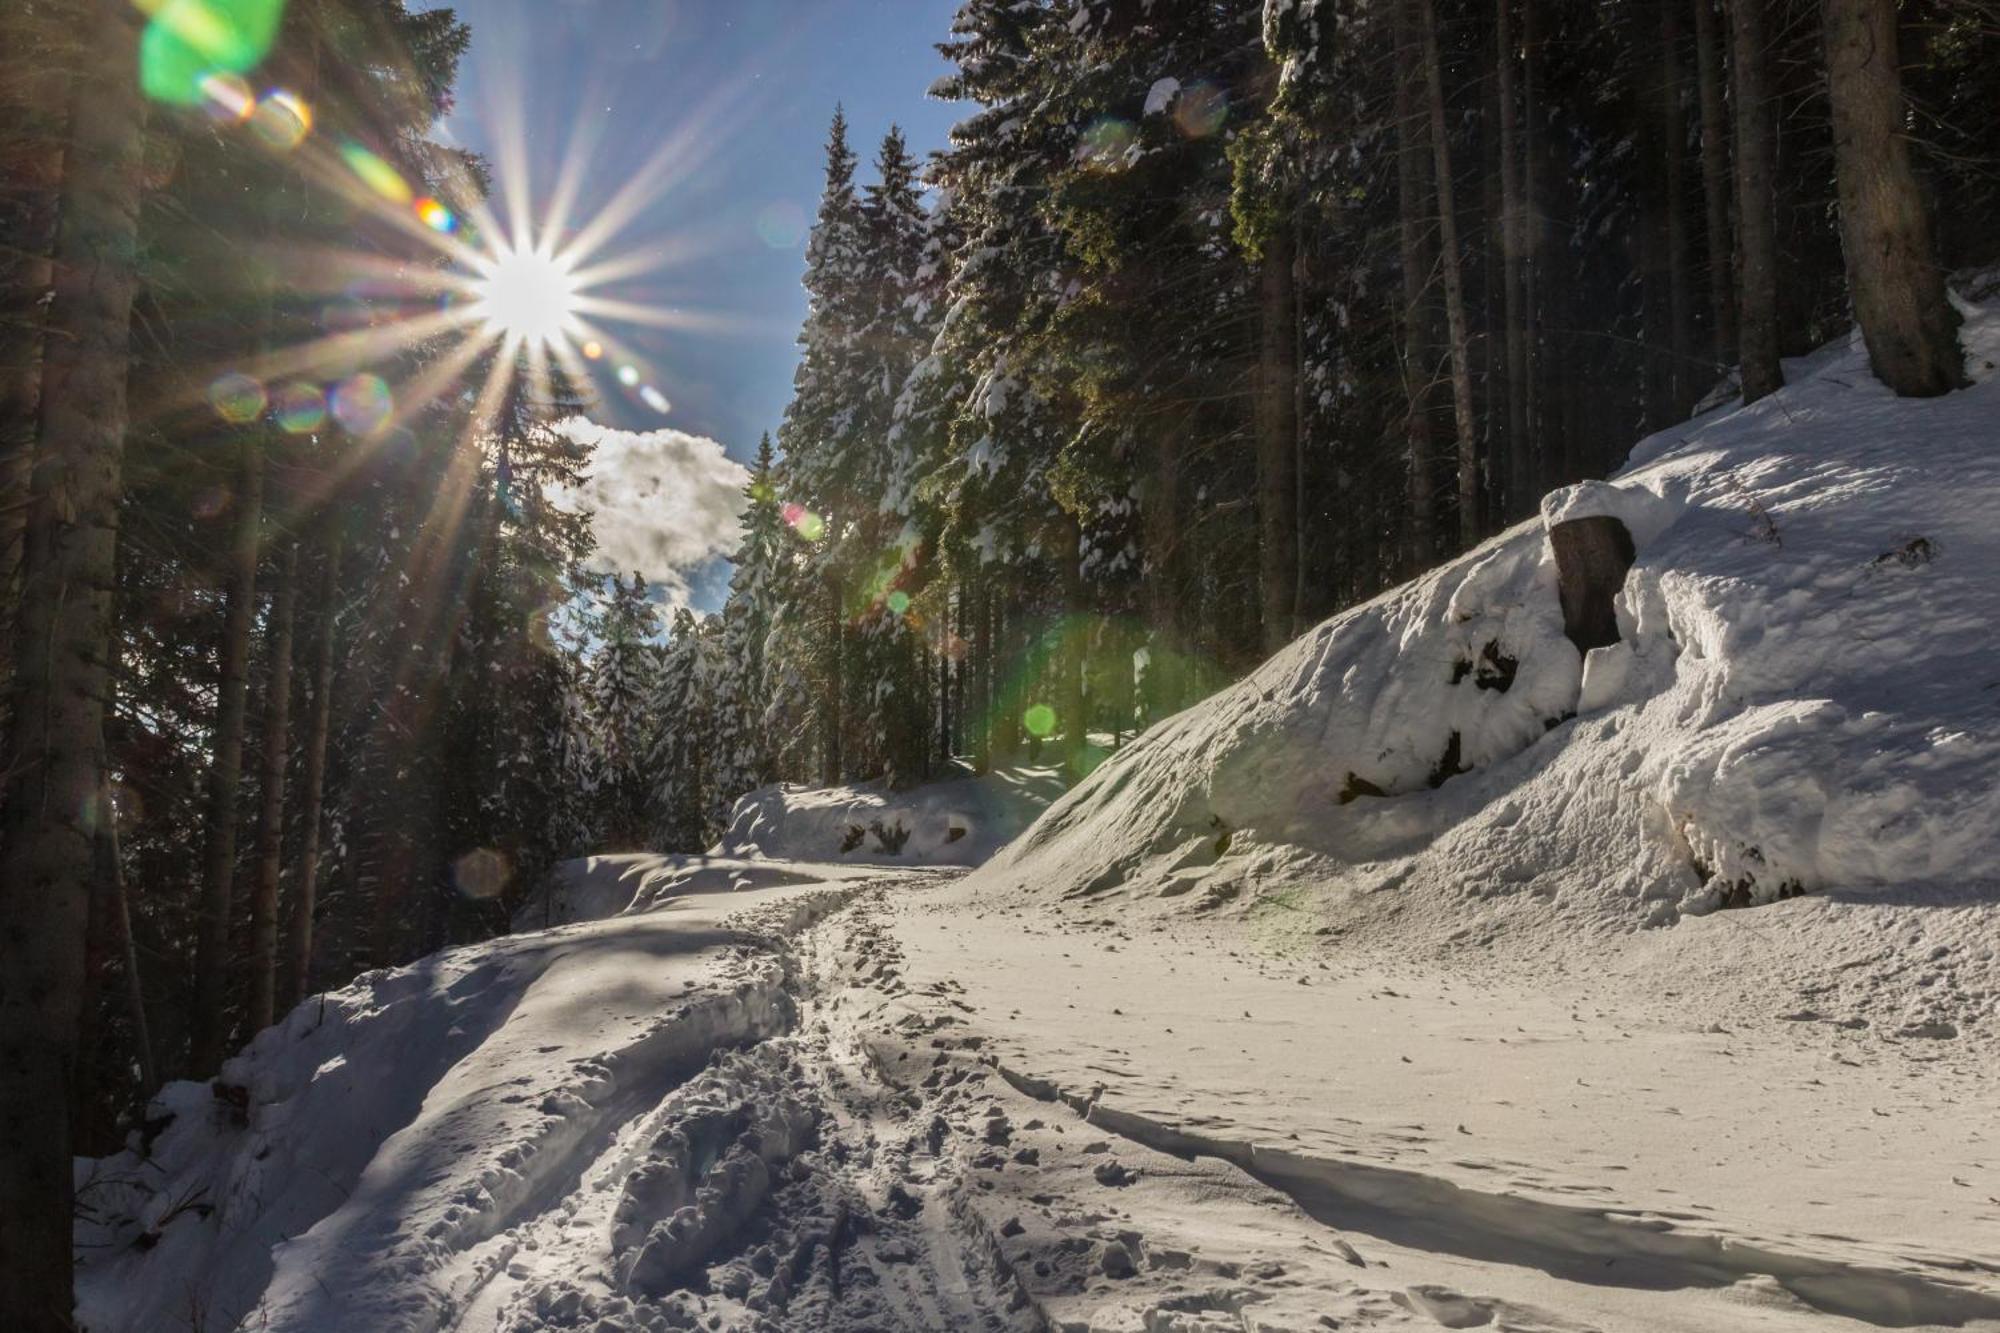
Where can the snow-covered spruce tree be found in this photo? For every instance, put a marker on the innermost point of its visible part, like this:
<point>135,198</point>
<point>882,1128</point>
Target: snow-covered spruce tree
<point>745,753</point>
<point>623,687</point>
<point>687,736</point>
<point>884,545</point>
<point>821,439</point>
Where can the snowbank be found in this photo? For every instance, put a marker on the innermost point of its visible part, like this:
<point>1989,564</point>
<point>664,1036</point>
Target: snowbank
<point>960,821</point>
<point>1805,699</point>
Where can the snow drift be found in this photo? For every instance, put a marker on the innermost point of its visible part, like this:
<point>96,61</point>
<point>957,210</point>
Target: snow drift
<point>958,821</point>
<point>1804,696</point>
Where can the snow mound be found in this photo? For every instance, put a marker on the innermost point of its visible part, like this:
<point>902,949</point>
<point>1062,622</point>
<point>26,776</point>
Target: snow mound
<point>960,821</point>
<point>591,888</point>
<point>1804,697</point>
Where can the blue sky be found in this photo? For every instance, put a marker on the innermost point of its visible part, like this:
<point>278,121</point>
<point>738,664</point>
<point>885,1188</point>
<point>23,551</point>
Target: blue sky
<point>758,79</point>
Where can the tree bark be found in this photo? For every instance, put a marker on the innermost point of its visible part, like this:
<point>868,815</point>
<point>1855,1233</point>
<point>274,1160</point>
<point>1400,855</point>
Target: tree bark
<point>832,723</point>
<point>269,859</point>
<point>305,884</point>
<point>1756,203</point>
<point>54,759</point>
<point>1512,288</point>
<point>1892,275</point>
<point>209,1020</point>
<point>1412,185</point>
<point>1074,648</point>
<point>1528,228</point>
<point>1715,180</point>
<point>1456,327</point>
<point>1277,438</point>
<point>1673,166</point>
<point>34,108</point>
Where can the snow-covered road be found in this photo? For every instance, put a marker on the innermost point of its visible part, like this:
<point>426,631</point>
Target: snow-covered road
<point>848,1101</point>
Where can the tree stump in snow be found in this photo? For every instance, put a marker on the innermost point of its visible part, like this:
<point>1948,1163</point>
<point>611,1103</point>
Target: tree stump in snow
<point>1592,557</point>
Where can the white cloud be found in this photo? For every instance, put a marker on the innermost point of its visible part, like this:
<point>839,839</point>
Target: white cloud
<point>662,502</point>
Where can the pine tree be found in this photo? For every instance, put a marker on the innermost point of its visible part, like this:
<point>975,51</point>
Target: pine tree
<point>624,684</point>
<point>745,756</point>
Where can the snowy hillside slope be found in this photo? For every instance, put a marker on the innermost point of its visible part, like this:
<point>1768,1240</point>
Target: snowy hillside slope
<point>959,820</point>
<point>1806,700</point>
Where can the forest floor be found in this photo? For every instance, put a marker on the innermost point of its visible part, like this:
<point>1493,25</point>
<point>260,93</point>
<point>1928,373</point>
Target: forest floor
<point>847,1099</point>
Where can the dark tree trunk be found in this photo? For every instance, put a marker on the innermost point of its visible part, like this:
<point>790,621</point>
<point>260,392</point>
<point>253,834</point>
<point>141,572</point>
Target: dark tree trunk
<point>1673,167</point>
<point>1073,650</point>
<point>269,859</point>
<point>1457,329</point>
<point>1709,76</point>
<point>33,106</point>
<point>1528,230</point>
<point>1162,538</point>
<point>1520,467</point>
<point>1756,202</point>
<point>54,759</point>
<point>1414,254</point>
<point>305,884</point>
<point>209,1020</point>
<point>833,723</point>
<point>1277,439</point>
<point>1892,275</point>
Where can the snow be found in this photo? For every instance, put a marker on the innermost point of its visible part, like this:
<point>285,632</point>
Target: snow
<point>1387,989</point>
<point>1803,700</point>
<point>959,821</point>
<point>1161,96</point>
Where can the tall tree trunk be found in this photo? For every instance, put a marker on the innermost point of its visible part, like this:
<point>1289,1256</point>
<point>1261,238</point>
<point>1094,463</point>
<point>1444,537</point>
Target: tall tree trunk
<point>1715,180</point>
<point>305,884</point>
<point>54,759</point>
<point>1756,202</point>
<point>1277,438</point>
<point>1162,535</point>
<point>1892,275</point>
<point>1414,254</point>
<point>209,1020</point>
<point>1520,470</point>
<point>1673,167</point>
<point>33,87</point>
<point>1528,229</point>
<point>1456,327</point>
<point>1074,649</point>
<point>269,858</point>
<point>832,720</point>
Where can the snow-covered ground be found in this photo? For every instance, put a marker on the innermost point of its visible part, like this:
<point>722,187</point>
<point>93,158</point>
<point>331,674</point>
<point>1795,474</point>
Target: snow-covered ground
<point>1388,989</point>
<point>959,821</point>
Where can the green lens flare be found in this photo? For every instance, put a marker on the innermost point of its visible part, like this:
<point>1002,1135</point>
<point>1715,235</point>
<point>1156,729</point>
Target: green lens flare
<point>189,40</point>
<point>1039,720</point>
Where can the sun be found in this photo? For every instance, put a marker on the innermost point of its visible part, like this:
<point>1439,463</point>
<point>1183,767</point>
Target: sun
<point>527,294</point>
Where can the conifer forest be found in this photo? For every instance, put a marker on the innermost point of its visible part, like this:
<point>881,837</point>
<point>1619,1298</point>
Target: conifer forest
<point>1217,337</point>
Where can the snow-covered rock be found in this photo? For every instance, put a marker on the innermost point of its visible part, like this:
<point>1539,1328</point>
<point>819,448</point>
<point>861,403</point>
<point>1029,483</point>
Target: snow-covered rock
<point>959,821</point>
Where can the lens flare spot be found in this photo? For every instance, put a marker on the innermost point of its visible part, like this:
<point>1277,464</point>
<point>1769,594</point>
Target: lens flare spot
<point>1106,144</point>
<point>361,403</point>
<point>282,120</point>
<point>236,398</point>
<point>1200,110</point>
<point>628,376</point>
<point>376,174</point>
<point>210,502</point>
<point>188,40</point>
<point>898,602</point>
<point>436,216</point>
<point>1040,720</point>
<point>654,399</point>
<point>781,225</point>
<point>300,408</point>
<point>804,522</point>
<point>227,98</point>
<point>482,873</point>
<point>593,350</point>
